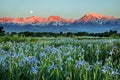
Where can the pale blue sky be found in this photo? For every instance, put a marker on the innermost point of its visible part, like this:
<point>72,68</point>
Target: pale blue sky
<point>64,8</point>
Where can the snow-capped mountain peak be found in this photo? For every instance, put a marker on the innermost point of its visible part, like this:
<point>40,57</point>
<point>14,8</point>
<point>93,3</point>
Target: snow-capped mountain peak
<point>6,19</point>
<point>33,19</point>
<point>94,17</point>
<point>55,19</point>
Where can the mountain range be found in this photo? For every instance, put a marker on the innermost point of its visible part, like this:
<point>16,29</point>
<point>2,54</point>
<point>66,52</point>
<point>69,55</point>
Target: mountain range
<point>90,22</point>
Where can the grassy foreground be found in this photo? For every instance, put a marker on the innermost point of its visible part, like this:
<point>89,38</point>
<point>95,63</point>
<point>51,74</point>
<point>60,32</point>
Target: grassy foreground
<point>60,59</point>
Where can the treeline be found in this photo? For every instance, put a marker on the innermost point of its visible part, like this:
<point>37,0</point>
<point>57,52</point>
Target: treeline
<point>67,34</point>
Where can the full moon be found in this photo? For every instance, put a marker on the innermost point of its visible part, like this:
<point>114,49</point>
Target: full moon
<point>31,12</point>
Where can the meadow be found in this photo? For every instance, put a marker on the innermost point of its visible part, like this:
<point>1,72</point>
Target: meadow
<point>60,58</point>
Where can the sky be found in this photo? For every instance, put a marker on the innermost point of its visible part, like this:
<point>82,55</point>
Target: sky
<point>68,9</point>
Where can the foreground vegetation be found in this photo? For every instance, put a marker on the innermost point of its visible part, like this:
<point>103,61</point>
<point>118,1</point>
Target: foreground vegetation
<point>60,59</point>
<point>59,56</point>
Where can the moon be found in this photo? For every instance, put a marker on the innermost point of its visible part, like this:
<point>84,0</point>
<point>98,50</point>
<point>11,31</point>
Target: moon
<point>31,12</point>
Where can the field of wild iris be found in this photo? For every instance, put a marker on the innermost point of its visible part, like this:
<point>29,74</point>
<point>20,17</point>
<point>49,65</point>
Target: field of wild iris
<point>60,59</point>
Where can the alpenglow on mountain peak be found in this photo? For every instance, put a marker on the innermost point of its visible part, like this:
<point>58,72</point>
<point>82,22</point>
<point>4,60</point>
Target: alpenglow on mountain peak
<point>94,17</point>
<point>99,16</point>
<point>90,22</point>
<point>36,19</point>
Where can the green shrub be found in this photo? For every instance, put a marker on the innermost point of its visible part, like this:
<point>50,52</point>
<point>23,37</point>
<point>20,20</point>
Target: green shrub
<point>14,38</point>
<point>114,36</point>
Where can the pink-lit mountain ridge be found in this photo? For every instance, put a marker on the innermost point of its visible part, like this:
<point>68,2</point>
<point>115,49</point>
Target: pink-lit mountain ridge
<point>35,19</point>
<point>36,23</point>
<point>98,19</point>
